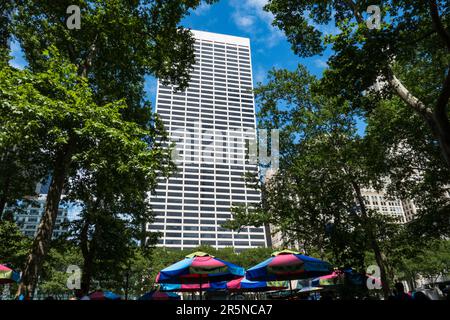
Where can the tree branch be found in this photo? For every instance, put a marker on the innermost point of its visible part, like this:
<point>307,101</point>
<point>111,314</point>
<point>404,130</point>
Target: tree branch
<point>394,82</point>
<point>444,96</point>
<point>355,10</point>
<point>406,95</point>
<point>437,23</point>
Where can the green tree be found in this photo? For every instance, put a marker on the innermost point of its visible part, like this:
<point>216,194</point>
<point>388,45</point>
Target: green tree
<point>54,277</point>
<point>122,41</point>
<point>324,164</point>
<point>14,245</point>
<point>413,163</point>
<point>6,8</point>
<point>119,43</point>
<point>408,56</point>
<point>71,128</point>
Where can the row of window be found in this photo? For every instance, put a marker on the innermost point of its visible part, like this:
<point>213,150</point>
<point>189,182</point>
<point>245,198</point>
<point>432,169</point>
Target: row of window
<point>234,89</point>
<point>220,69</point>
<point>190,244</point>
<point>217,112</point>
<point>204,110</point>
<point>229,51</point>
<point>208,124</point>
<point>229,48</point>
<point>212,235</point>
<point>220,194</point>
<point>218,184</point>
<point>207,228</point>
<point>205,94</point>
<point>195,208</point>
<point>234,82</point>
<point>204,117</point>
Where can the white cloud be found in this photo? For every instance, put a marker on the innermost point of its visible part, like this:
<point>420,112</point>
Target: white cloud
<point>246,15</point>
<point>243,21</point>
<point>260,74</point>
<point>320,63</point>
<point>202,9</point>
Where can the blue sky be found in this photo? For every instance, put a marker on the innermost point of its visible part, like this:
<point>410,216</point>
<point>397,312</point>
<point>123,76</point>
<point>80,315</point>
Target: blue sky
<point>246,18</point>
<point>269,46</point>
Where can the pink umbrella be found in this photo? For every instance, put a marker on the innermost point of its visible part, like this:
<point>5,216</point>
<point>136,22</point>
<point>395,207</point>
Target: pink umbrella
<point>8,275</point>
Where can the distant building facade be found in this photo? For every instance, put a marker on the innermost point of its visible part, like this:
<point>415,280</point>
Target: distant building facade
<point>211,122</point>
<point>382,203</point>
<point>28,216</point>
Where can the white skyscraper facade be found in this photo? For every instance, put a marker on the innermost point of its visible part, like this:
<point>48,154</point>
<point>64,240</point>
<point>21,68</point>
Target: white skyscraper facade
<point>212,123</point>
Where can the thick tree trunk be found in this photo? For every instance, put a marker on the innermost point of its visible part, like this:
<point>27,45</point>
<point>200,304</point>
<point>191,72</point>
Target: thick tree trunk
<point>86,276</point>
<point>442,133</point>
<point>437,119</point>
<point>4,197</point>
<point>379,256</point>
<point>44,234</point>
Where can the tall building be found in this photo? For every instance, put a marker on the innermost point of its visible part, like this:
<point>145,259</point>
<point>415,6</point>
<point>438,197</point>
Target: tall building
<point>401,210</point>
<point>28,216</point>
<point>212,123</point>
<point>381,202</point>
<point>411,209</point>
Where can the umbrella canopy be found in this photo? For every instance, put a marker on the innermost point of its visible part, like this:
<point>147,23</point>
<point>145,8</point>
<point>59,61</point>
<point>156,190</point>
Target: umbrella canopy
<point>200,267</point>
<point>8,275</point>
<point>347,276</point>
<point>240,284</point>
<point>104,295</point>
<point>287,265</point>
<point>192,287</point>
<point>335,278</point>
<point>158,295</point>
<point>244,284</point>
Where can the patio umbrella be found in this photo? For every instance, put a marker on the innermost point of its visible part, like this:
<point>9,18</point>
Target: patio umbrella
<point>192,287</point>
<point>199,268</point>
<point>335,278</point>
<point>158,295</point>
<point>104,295</point>
<point>8,275</point>
<point>347,276</point>
<point>288,265</point>
<point>244,284</point>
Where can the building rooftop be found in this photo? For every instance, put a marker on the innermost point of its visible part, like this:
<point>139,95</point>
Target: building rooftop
<point>218,37</point>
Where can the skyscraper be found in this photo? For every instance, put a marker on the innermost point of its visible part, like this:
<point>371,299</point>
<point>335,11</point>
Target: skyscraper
<point>212,123</point>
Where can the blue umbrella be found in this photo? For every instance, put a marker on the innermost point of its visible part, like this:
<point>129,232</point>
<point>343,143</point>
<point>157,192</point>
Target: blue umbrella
<point>288,265</point>
<point>104,295</point>
<point>158,295</point>
<point>201,268</point>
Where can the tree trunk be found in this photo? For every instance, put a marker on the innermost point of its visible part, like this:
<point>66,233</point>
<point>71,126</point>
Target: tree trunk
<point>4,197</point>
<point>88,258</point>
<point>86,276</point>
<point>41,242</point>
<point>379,256</point>
<point>442,133</point>
<point>437,119</point>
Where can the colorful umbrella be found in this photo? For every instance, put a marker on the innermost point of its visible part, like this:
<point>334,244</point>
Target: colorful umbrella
<point>192,287</point>
<point>158,295</point>
<point>200,267</point>
<point>104,295</point>
<point>335,278</point>
<point>288,265</point>
<point>244,284</point>
<point>240,284</point>
<point>8,275</point>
